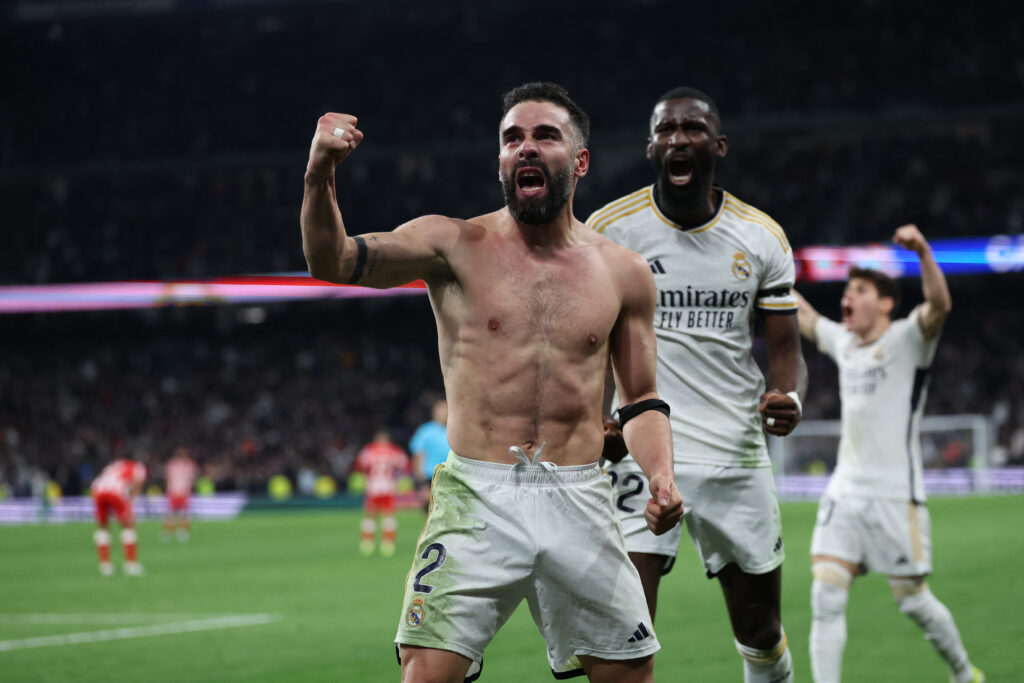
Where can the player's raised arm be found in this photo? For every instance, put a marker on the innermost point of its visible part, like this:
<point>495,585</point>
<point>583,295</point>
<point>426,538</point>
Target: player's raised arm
<point>807,318</point>
<point>642,415</point>
<point>413,251</point>
<point>937,300</point>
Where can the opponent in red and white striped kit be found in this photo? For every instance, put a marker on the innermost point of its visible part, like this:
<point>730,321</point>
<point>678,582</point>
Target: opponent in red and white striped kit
<point>112,491</point>
<point>180,474</point>
<point>382,462</point>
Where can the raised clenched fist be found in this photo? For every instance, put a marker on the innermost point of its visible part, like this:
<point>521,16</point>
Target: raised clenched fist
<point>335,137</point>
<point>909,237</point>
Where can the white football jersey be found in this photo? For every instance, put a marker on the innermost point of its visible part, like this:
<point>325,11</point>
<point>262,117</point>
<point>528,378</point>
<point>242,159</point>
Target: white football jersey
<point>882,386</point>
<point>710,281</point>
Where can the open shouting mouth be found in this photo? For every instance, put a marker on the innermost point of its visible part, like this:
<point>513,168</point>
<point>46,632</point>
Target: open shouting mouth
<point>680,170</point>
<point>530,181</point>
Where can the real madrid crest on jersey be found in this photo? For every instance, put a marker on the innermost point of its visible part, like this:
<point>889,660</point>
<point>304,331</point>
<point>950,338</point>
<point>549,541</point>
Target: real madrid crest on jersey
<point>414,617</point>
<point>741,266</point>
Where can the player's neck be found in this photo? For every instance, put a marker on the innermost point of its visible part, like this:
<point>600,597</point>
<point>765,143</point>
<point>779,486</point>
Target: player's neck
<point>552,235</point>
<point>688,209</point>
<point>873,333</point>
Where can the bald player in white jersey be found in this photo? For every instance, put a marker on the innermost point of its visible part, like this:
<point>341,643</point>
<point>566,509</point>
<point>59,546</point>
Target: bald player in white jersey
<point>530,306</point>
<point>873,515</point>
<point>718,264</point>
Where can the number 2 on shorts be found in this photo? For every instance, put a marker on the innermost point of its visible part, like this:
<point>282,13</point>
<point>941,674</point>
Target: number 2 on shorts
<point>442,555</point>
<point>627,480</point>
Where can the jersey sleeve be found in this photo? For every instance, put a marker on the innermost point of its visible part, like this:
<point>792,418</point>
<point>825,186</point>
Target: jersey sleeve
<point>911,336</point>
<point>829,334</point>
<point>775,293</point>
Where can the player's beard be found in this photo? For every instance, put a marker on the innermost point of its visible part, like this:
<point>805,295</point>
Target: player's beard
<point>545,208</point>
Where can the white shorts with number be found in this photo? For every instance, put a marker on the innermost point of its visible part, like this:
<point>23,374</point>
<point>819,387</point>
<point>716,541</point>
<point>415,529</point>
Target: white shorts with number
<point>888,536</point>
<point>498,534</point>
<point>732,514</point>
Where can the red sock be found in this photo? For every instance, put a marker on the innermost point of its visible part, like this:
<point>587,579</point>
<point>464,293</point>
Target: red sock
<point>129,544</point>
<point>367,530</point>
<point>389,530</point>
<point>102,540</point>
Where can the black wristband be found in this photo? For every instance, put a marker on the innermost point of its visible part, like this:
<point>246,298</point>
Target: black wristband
<point>628,412</point>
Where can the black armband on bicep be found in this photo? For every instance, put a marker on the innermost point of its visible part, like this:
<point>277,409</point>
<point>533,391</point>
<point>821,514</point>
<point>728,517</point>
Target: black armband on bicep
<point>357,272</point>
<point>628,412</point>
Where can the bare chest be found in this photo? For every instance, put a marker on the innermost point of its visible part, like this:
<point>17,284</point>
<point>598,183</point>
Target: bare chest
<point>568,300</point>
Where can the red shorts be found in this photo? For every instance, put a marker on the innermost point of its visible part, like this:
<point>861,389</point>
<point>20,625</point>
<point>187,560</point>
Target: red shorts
<point>384,504</point>
<point>178,503</point>
<point>111,502</point>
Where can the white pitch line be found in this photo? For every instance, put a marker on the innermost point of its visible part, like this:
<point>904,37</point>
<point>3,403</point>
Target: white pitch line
<point>122,618</point>
<point>230,621</point>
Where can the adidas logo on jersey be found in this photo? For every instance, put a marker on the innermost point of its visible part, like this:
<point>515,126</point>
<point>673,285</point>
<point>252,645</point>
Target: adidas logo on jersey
<point>778,544</point>
<point>902,559</point>
<point>639,634</point>
<point>656,267</point>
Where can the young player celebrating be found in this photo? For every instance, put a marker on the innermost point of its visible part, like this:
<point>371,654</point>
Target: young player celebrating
<point>112,492</point>
<point>873,514</point>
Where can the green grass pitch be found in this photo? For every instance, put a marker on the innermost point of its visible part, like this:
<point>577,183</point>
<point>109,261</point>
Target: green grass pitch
<point>335,611</point>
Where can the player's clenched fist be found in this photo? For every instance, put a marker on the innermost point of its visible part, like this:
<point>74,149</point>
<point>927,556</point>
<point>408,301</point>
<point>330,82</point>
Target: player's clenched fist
<point>780,413</point>
<point>335,137</point>
<point>909,237</point>
<point>665,507</point>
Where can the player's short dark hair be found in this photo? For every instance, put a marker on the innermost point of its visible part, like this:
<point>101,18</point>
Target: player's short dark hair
<point>886,286</point>
<point>687,93</point>
<point>538,91</point>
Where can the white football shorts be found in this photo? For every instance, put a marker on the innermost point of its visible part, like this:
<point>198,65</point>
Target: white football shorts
<point>498,534</point>
<point>731,513</point>
<point>892,537</point>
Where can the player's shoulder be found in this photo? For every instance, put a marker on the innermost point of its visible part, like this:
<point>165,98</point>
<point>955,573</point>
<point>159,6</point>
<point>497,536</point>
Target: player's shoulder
<point>617,212</point>
<point>738,211</point>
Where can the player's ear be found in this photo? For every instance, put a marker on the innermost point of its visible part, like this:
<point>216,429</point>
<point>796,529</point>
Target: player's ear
<point>721,146</point>
<point>650,147</point>
<point>581,164</point>
<point>887,303</point>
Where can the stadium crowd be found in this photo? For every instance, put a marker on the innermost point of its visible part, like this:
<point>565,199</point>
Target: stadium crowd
<point>305,388</point>
<point>184,158</point>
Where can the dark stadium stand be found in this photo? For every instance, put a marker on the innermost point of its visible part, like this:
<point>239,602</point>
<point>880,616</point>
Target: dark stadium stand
<point>171,144</point>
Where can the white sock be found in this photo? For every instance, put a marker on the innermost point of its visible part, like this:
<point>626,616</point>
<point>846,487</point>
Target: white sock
<point>767,666</point>
<point>921,605</point>
<point>830,592</point>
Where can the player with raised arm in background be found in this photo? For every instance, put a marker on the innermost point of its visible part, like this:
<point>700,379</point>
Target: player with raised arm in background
<point>429,447</point>
<point>112,492</point>
<point>873,514</point>
<point>179,476</point>
<point>383,463</point>
<point>718,263</point>
<point>530,305</point>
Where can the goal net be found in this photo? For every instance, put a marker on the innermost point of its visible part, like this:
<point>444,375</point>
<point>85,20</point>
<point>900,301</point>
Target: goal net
<point>955,450</point>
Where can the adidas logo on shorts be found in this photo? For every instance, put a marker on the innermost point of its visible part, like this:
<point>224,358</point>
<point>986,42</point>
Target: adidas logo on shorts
<point>639,634</point>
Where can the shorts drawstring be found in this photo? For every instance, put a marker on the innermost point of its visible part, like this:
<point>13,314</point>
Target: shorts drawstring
<point>520,455</point>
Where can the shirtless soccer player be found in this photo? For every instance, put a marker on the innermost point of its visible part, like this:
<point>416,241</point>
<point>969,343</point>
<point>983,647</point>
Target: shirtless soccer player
<point>718,263</point>
<point>529,305</point>
<point>873,514</point>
